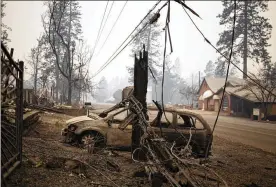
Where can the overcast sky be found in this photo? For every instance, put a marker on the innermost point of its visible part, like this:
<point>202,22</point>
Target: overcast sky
<point>24,17</point>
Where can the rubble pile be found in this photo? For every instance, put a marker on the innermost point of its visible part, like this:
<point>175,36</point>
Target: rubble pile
<point>110,168</point>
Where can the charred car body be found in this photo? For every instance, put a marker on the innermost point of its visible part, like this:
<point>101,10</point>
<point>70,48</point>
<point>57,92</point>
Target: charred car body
<point>176,125</point>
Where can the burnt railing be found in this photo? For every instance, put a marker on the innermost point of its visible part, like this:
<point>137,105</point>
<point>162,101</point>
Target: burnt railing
<point>11,112</point>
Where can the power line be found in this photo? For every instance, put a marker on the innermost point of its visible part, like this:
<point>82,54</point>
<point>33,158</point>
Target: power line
<point>108,62</point>
<point>128,37</point>
<point>99,29</point>
<point>106,20</point>
<point>226,56</point>
<point>226,78</point>
<point>112,27</point>
<point>150,22</point>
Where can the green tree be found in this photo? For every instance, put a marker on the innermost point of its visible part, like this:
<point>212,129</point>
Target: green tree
<point>150,36</point>
<point>4,32</point>
<point>252,33</point>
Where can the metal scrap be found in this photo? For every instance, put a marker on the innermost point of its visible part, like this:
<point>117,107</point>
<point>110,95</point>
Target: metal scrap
<point>160,156</point>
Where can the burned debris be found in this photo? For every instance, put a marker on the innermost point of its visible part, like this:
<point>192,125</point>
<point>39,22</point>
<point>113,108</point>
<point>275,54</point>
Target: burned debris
<point>130,143</point>
<point>161,157</point>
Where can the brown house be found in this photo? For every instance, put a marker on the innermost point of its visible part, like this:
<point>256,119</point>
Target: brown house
<point>210,93</point>
<point>237,103</point>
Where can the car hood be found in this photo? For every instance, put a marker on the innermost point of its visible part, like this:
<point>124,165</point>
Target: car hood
<point>78,119</point>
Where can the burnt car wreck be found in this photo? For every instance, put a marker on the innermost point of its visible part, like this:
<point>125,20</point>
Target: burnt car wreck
<point>106,131</point>
<point>169,142</point>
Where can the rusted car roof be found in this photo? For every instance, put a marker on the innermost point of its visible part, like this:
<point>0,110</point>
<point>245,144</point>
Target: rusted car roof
<point>181,112</point>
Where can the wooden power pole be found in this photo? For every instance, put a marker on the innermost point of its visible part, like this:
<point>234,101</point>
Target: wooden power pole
<point>140,93</point>
<point>245,40</point>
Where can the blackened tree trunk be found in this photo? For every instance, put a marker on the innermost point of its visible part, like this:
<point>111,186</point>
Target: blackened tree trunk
<point>69,102</point>
<point>140,92</point>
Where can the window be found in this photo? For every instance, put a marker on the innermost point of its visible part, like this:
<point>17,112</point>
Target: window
<point>198,124</point>
<point>225,103</point>
<point>185,121</point>
<point>120,115</point>
<point>169,117</point>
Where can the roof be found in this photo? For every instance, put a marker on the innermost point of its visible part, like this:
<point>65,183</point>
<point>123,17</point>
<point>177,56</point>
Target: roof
<point>233,85</point>
<point>216,83</point>
<point>244,94</point>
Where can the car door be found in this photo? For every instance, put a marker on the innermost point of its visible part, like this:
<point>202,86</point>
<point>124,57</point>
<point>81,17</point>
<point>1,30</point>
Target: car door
<point>176,132</point>
<point>115,136</point>
<point>189,126</point>
<point>163,130</point>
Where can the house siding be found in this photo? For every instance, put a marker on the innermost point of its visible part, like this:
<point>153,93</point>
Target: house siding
<point>241,107</point>
<point>273,109</point>
<point>226,96</point>
<point>204,87</point>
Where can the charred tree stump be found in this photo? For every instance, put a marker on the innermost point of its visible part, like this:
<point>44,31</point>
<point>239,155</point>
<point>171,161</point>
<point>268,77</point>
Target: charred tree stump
<point>140,92</point>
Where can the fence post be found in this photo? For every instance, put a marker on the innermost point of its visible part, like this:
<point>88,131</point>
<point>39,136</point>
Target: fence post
<point>20,124</point>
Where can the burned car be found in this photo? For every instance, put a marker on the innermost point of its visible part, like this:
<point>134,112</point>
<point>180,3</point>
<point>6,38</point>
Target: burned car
<point>177,125</point>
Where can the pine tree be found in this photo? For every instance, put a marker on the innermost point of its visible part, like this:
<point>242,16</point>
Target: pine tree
<point>209,69</point>
<point>252,32</point>
<point>150,37</point>
<point>4,28</point>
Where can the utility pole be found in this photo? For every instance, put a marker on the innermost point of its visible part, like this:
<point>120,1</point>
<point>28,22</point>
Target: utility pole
<point>148,50</point>
<point>140,93</point>
<point>148,45</point>
<point>192,91</point>
<point>245,41</point>
<point>198,79</point>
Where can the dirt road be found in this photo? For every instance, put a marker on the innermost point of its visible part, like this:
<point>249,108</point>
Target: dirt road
<point>257,134</point>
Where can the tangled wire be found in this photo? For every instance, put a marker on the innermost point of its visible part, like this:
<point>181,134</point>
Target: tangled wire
<point>178,168</point>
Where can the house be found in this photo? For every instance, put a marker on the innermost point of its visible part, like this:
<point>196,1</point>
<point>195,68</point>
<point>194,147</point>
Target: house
<point>28,92</point>
<point>235,102</point>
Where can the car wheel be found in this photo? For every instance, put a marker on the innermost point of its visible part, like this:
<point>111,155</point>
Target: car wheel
<point>95,138</point>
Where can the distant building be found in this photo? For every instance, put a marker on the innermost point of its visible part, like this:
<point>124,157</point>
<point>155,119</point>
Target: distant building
<point>149,94</point>
<point>237,103</point>
<point>28,92</point>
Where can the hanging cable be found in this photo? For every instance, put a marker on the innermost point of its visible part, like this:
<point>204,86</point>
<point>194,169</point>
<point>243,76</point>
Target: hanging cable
<point>226,78</point>
<point>106,20</point>
<point>110,60</point>
<point>97,39</point>
<point>112,28</point>
<point>163,70</point>
<point>107,62</point>
<point>164,58</point>
<point>208,41</point>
